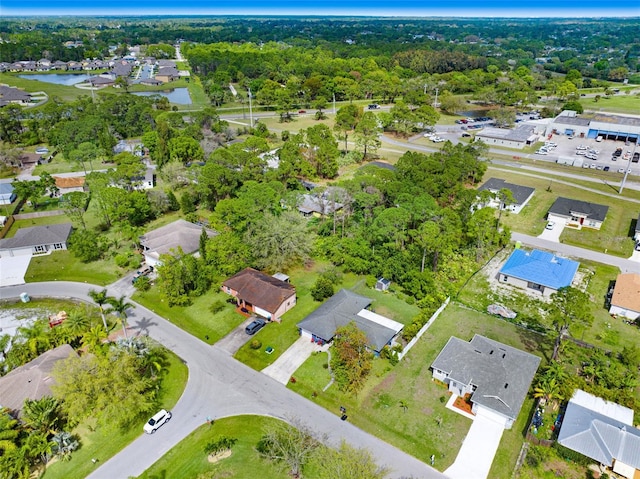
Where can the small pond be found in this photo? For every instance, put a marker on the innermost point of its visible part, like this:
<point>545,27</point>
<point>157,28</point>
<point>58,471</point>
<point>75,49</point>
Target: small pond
<point>59,78</point>
<point>179,96</point>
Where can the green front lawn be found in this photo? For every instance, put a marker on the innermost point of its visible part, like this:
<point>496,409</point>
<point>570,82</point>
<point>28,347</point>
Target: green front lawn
<point>614,235</point>
<point>188,459</point>
<point>425,427</point>
<point>104,444</point>
<point>620,103</point>
<point>64,266</point>
<point>197,318</point>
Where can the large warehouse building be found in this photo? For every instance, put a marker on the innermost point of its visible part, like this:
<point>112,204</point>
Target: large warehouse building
<point>609,127</point>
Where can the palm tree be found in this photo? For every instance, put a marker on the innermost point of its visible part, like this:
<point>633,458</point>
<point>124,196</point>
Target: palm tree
<point>36,337</point>
<point>77,322</point>
<point>120,306</point>
<point>41,414</point>
<point>64,444</point>
<point>93,338</point>
<point>100,298</point>
<point>548,389</point>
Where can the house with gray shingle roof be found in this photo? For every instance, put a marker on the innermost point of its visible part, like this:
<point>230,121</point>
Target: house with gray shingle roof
<point>602,431</point>
<point>343,308</point>
<point>179,234</point>
<point>496,376</point>
<point>32,380</point>
<point>6,194</point>
<point>37,240</point>
<point>521,194</point>
<point>577,214</point>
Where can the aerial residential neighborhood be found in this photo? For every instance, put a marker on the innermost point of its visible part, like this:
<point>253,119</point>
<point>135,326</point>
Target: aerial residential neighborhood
<point>366,247</point>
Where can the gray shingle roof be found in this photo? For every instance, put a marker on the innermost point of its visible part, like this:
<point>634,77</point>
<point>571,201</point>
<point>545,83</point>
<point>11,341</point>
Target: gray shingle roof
<point>179,233</point>
<point>599,436</point>
<point>38,235</point>
<point>32,380</point>
<point>341,309</point>
<point>502,374</point>
<point>520,193</point>
<point>565,206</point>
<point>311,203</point>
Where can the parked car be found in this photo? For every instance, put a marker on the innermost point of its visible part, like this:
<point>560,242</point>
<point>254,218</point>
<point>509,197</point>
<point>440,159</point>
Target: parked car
<point>466,135</point>
<point>599,139</point>
<point>606,168</point>
<point>302,111</point>
<point>144,271</point>
<point>542,152</point>
<point>636,157</point>
<point>156,421</point>
<point>373,106</point>
<point>550,225</point>
<point>618,152</point>
<point>254,326</point>
<point>582,147</point>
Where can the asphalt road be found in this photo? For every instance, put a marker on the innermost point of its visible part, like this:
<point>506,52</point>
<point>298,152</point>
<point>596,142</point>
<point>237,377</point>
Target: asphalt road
<point>625,265</point>
<point>219,386</point>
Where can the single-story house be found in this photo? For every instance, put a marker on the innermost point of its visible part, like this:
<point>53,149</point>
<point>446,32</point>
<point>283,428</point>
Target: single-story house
<point>267,296</point>
<point>496,376</point>
<point>150,81</point>
<point>519,137</point>
<point>163,240</point>
<point>602,431</point>
<point>7,196</point>
<point>28,160</point>
<point>167,74</point>
<point>521,194</point>
<point>69,184</point>
<point>538,270</point>
<point>318,206</point>
<point>625,300</point>
<point>343,308</point>
<point>36,240</point>
<point>101,81</point>
<point>146,182</point>
<point>577,214</point>
<point>9,94</point>
<point>32,380</point>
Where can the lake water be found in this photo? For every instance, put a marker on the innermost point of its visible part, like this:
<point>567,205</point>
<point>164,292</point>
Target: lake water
<point>59,78</point>
<point>179,96</point>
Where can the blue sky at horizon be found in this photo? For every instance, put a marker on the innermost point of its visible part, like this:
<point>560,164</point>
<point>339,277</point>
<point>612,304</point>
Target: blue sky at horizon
<point>398,8</point>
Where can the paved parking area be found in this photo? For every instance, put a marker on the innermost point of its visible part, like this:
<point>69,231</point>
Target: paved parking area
<point>287,364</point>
<point>478,450</point>
<point>13,269</point>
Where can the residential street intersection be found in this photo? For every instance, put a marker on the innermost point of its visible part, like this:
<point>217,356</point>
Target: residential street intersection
<point>219,386</point>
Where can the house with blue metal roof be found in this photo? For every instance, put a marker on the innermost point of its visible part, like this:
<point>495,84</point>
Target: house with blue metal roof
<point>538,270</point>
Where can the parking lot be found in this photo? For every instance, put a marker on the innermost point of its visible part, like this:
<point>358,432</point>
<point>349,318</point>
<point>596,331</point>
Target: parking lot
<point>589,153</point>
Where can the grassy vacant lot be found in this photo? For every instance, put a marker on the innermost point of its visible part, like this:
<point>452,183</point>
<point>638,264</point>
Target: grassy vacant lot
<point>620,103</point>
<point>426,427</point>
<point>188,458</point>
<point>103,444</point>
<point>614,235</point>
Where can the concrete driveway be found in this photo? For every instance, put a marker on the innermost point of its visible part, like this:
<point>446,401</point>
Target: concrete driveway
<point>13,269</point>
<point>218,386</point>
<point>478,450</point>
<point>287,364</point>
<point>554,234</point>
<point>236,338</point>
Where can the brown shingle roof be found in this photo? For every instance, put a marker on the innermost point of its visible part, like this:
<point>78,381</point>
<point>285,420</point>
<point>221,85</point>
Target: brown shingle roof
<point>73,182</point>
<point>260,289</point>
<point>32,380</point>
<point>626,293</point>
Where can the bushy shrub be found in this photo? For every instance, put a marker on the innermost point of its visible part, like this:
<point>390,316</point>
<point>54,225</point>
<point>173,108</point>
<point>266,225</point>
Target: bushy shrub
<point>217,307</point>
<point>143,283</point>
<point>122,260</point>
<point>255,344</point>
<point>322,289</point>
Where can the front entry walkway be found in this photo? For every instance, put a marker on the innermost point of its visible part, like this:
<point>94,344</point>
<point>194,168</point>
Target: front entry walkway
<point>287,364</point>
<point>478,450</point>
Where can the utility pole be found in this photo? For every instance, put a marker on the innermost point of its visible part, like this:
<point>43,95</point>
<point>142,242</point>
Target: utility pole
<point>250,109</point>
